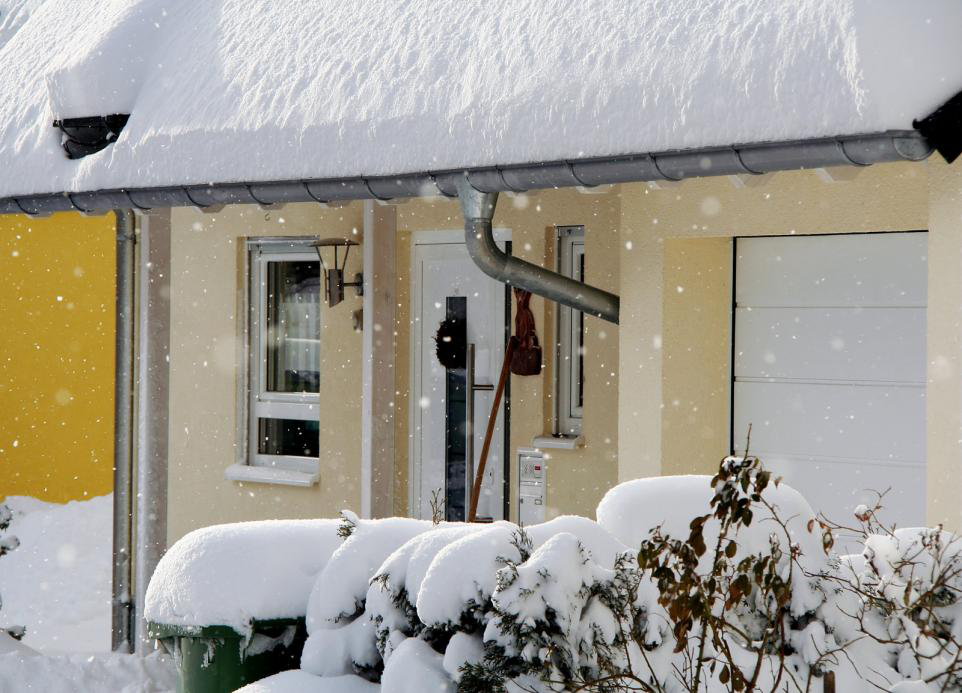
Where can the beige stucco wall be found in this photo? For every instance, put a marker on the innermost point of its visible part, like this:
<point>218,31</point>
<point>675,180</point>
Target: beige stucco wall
<point>676,345</point>
<point>658,387</point>
<point>206,358</point>
<point>696,339</point>
<point>944,347</point>
<point>576,478</point>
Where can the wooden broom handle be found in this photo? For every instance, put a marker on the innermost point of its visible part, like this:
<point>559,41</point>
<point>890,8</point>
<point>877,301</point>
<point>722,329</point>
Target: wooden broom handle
<point>492,419</point>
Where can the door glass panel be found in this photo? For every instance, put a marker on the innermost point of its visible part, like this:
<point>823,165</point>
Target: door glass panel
<point>293,326</point>
<point>455,410</point>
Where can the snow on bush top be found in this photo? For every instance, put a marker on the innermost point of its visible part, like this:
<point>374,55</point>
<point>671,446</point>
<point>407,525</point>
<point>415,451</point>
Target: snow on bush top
<point>225,91</point>
<point>630,510</point>
<point>464,573</point>
<point>341,588</point>
<point>227,575</point>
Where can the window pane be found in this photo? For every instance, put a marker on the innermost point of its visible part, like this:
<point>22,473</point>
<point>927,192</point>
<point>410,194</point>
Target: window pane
<point>295,437</point>
<point>293,326</point>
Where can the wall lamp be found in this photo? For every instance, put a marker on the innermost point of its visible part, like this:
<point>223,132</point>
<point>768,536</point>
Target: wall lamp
<point>334,275</point>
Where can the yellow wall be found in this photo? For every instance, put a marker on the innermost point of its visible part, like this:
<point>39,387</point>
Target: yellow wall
<point>56,356</point>
<point>206,359</point>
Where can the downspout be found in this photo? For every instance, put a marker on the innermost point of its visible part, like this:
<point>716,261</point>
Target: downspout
<point>478,209</point>
<point>153,407</point>
<point>121,611</point>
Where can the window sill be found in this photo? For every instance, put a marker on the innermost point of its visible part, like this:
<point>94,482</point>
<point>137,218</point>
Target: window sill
<point>558,442</point>
<point>270,475</point>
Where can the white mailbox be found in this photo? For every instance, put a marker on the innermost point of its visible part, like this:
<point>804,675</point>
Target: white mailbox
<point>531,486</point>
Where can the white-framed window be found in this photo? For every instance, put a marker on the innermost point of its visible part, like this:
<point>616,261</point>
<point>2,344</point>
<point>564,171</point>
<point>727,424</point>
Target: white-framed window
<point>284,359</point>
<point>571,336</point>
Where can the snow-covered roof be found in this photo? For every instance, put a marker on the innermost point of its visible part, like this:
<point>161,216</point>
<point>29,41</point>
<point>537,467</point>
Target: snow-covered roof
<point>229,90</point>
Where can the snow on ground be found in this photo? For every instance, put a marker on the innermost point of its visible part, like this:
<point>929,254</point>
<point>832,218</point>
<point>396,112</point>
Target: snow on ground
<point>23,670</point>
<point>302,682</point>
<point>57,583</point>
<point>385,87</point>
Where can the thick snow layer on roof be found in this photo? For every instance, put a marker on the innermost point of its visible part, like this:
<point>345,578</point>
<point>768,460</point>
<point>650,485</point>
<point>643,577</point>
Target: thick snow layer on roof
<point>227,575</point>
<point>224,90</point>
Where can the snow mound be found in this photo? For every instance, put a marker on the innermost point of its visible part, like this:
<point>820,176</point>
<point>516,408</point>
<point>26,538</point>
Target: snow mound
<point>302,682</point>
<point>117,673</point>
<point>416,668</point>
<point>386,87</point>
<point>230,574</point>
<point>57,582</point>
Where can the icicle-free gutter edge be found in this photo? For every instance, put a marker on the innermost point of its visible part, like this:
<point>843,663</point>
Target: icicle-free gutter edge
<point>756,158</point>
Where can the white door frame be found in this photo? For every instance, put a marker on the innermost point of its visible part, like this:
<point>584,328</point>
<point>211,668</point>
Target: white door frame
<point>440,237</point>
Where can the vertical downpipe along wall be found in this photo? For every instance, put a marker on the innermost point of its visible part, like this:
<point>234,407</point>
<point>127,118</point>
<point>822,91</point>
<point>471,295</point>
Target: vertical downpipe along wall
<point>153,406</point>
<point>121,606</point>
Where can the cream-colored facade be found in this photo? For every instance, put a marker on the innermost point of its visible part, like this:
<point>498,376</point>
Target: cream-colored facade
<point>658,387</point>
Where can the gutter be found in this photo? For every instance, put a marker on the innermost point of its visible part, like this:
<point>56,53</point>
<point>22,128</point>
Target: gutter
<point>748,159</point>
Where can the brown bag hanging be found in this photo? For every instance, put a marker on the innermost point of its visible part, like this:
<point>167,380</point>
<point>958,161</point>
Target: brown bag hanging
<point>526,356</point>
<point>523,355</point>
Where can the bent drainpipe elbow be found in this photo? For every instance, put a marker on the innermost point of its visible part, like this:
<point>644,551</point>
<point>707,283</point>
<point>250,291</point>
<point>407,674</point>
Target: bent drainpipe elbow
<point>478,209</point>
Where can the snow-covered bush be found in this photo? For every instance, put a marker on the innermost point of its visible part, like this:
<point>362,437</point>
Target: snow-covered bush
<point>695,583</point>
<point>342,638</point>
<point>702,601</point>
<point>405,588</point>
<point>557,618</point>
<point>899,604</point>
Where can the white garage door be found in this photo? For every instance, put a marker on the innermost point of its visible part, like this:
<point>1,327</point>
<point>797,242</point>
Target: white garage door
<point>829,366</point>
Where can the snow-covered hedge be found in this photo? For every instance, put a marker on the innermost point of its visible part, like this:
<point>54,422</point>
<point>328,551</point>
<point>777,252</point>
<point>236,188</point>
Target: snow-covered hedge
<point>693,583</point>
<point>577,603</point>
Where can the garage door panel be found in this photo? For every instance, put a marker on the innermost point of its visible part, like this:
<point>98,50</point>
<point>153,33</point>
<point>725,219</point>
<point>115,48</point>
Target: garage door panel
<point>857,422</point>
<point>849,270</point>
<point>868,344</point>
<point>836,487</point>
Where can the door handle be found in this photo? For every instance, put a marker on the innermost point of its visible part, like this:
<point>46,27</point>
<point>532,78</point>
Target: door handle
<point>470,387</point>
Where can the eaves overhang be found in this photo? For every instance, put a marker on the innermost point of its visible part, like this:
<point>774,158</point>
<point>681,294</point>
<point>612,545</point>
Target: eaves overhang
<point>746,159</point>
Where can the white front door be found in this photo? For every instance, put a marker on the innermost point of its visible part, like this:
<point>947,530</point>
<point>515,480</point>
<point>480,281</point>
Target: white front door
<point>830,367</point>
<point>446,284</point>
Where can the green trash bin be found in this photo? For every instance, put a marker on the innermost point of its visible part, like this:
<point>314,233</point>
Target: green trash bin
<point>218,659</point>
